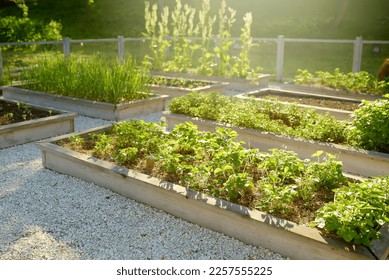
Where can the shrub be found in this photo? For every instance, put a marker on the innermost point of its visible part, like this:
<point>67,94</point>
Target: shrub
<point>13,29</point>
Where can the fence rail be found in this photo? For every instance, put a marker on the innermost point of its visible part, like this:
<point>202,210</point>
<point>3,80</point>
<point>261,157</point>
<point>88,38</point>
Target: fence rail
<point>280,41</point>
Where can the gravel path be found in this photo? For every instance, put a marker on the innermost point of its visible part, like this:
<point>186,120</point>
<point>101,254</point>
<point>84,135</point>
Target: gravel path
<point>47,215</point>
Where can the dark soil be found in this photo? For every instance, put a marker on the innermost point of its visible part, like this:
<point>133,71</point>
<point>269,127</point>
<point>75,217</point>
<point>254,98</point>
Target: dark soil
<point>18,112</point>
<point>327,103</point>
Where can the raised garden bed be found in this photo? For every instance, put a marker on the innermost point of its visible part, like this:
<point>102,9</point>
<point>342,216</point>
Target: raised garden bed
<point>23,123</point>
<point>357,85</point>
<point>355,161</point>
<point>329,92</point>
<point>103,110</point>
<point>174,87</point>
<point>339,107</point>
<point>250,226</point>
<point>237,84</point>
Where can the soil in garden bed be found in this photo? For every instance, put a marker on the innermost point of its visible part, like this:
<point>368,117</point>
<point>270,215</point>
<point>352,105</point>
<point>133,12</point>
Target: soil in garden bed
<point>179,83</point>
<point>11,112</point>
<point>327,103</point>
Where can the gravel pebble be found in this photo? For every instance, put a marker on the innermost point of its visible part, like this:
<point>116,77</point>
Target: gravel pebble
<point>47,215</point>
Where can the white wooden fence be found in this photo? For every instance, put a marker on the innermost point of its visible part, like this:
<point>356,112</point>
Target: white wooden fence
<point>280,41</point>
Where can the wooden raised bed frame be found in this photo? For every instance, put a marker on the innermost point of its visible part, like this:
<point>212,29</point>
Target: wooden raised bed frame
<point>173,91</point>
<point>88,108</point>
<point>32,130</point>
<point>337,113</point>
<point>238,84</point>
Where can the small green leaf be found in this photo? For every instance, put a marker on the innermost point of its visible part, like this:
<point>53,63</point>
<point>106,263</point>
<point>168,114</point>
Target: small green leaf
<point>218,171</point>
<point>317,154</point>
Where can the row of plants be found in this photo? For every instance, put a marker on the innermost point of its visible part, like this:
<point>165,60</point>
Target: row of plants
<point>277,182</point>
<point>174,49</point>
<point>178,82</point>
<point>369,128</point>
<point>360,82</point>
<point>92,78</point>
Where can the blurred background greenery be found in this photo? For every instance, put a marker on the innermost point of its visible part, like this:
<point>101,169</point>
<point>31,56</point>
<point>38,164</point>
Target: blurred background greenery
<point>316,19</point>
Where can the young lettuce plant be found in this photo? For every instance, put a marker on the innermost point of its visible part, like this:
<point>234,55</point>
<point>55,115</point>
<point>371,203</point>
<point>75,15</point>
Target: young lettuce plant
<point>369,128</point>
<point>357,212</point>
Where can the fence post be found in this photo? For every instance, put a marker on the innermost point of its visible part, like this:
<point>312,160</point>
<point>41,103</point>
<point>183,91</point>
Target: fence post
<point>280,57</point>
<point>1,64</point>
<point>66,46</point>
<point>120,49</point>
<point>357,60</point>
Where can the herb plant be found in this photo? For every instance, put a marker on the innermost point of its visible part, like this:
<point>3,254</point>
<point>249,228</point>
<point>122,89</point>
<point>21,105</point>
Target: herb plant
<point>90,78</point>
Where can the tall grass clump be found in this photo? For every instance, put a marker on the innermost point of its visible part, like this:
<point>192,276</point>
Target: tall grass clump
<point>90,78</point>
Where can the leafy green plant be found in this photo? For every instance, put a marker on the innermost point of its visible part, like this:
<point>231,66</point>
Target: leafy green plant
<point>369,128</point>
<point>178,82</point>
<point>6,118</point>
<point>25,110</point>
<point>24,29</point>
<point>357,212</point>
<point>90,78</point>
<point>262,115</point>
<point>76,141</point>
<point>13,29</point>
<point>326,174</point>
<point>275,181</point>
<point>353,82</point>
<point>14,112</point>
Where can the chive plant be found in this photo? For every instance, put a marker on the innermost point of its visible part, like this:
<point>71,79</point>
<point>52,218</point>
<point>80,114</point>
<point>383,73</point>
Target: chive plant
<point>92,78</point>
